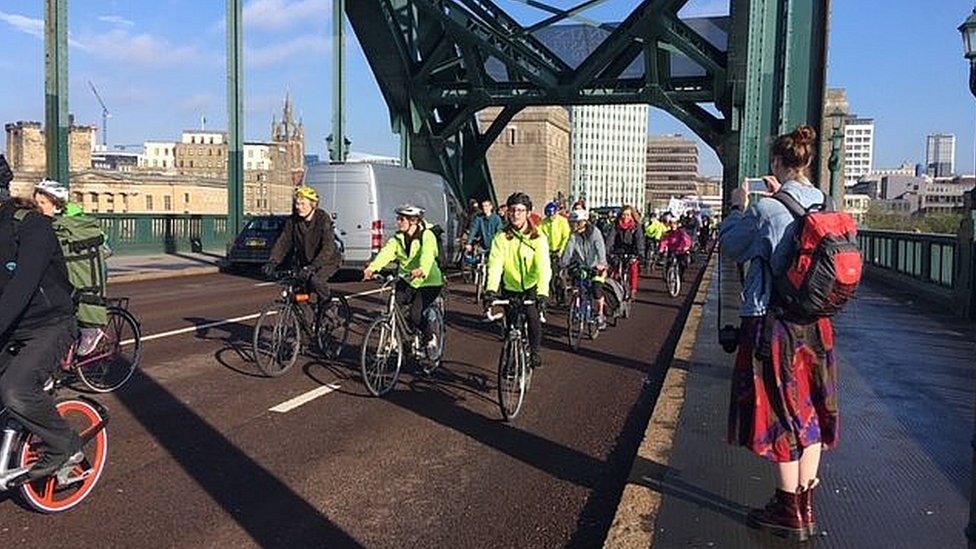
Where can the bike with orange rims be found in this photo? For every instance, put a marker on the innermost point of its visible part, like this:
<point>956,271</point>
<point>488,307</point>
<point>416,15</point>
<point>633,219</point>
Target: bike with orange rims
<point>279,331</point>
<point>66,488</point>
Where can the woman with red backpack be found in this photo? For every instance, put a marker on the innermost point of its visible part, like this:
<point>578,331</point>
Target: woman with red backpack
<point>784,385</point>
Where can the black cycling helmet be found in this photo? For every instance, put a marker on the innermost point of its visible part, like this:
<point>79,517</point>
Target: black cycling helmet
<point>519,198</point>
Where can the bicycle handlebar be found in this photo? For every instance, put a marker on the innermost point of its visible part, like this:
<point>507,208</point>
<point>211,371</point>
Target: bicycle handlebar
<point>503,303</point>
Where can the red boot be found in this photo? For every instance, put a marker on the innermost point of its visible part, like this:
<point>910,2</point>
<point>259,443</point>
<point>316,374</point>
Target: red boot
<point>806,508</point>
<point>781,517</point>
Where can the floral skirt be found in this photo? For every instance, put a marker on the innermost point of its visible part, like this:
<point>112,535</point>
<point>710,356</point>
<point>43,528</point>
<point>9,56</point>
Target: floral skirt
<point>784,388</point>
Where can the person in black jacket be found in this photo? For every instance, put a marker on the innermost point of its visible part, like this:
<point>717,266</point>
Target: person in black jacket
<point>37,327</point>
<point>308,239</point>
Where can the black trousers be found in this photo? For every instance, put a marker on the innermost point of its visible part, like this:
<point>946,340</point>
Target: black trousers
<point>25,364</point>
<point>416,301</point>
<point>532,317</point>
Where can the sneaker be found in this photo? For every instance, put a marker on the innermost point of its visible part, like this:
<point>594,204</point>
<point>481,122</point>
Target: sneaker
<point>89,340</point>
<point>433,349</point>
<point>535,361</point>
<point>601,322</point>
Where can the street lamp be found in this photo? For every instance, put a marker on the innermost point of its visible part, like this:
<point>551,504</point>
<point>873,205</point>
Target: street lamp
<point>968,31</point>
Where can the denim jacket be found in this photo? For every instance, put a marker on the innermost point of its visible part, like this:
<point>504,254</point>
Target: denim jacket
<point>763,236</point>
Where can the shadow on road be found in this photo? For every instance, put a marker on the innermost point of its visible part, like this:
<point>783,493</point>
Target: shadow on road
<point>667,481</point>
<point>271,513</point>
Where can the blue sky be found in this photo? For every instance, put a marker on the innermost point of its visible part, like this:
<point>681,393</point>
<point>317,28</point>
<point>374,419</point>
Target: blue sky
<point>160,67</point>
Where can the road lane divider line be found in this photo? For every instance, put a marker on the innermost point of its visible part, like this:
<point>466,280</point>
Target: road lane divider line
<point>263,284</point>
<point>304,398</point>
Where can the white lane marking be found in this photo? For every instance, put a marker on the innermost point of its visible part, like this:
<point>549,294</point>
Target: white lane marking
<point>305,398</point>
<point>263,284</point>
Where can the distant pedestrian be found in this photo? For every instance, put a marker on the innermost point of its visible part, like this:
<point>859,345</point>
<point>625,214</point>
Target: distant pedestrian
<point>784,385</point>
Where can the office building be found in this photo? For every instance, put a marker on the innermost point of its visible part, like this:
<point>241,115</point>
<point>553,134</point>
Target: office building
<point>609,154</point>
<point>672,169</point>
<point>940,154</point>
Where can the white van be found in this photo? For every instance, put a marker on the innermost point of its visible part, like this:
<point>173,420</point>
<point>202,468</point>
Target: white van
<point>363,198</point>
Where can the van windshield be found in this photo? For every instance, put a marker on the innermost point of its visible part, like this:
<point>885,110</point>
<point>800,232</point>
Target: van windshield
<point>263,224</point>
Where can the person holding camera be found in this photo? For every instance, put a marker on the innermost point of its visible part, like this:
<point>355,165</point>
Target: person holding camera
<point>784,384</point>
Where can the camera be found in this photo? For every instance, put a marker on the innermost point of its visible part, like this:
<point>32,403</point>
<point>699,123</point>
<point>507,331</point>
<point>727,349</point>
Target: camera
<point>728,338</point>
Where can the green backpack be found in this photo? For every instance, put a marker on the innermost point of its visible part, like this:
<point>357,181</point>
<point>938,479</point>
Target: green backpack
<point>81,239</point>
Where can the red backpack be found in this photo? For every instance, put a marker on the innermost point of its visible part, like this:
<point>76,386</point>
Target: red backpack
<point>825,269</point>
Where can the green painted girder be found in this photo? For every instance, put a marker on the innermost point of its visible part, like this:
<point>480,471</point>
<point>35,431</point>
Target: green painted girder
<point>56,120</point>
<point>430,58</point>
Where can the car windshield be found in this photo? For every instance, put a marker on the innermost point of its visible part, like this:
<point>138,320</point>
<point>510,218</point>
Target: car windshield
<point>263,224</point>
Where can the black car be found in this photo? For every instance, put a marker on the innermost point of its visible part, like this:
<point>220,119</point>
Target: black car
<point>252,247</point>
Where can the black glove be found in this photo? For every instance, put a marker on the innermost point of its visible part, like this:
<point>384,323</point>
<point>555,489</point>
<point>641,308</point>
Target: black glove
<point>488,297</point>
<point>543,302</point>
<point>269,269</point>
<point>307,272</point>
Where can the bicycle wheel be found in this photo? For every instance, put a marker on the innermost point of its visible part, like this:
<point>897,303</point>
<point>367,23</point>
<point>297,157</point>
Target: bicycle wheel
<point>511,378</point>
<point>575,321</point>
<point>432,364</point>
<point>277,339</point>
<point>674,281</point>
<point>116,356</point>
<point>381,356</point>
<point>67,488</point>
<point>333,328</point>
<point>479,286</point>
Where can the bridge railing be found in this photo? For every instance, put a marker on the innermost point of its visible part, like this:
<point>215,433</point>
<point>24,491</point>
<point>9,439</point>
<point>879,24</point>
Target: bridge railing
<point>927,258</point>
<point>133,234</point>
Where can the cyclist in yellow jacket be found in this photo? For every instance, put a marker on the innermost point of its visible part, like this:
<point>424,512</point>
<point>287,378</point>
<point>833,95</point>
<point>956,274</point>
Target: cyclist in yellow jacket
<point>414,247</point>
<point>519,265</point>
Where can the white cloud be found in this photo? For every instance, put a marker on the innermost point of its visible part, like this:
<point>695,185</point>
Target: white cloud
<point>141,50</point>
<point>280,14</point>
<point>28,25</point>
<point>297,48</point>
<point>116,20</point>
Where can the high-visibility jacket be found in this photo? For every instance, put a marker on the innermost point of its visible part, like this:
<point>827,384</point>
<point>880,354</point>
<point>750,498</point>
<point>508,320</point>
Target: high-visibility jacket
<point>420,252</point>
<point>655,229</point>
<point>519,263</point>
<point>556,228</point>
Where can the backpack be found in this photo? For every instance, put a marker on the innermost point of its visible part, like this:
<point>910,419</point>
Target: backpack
<point>613,296</point>
<point>825,269</point>
<point>81,239</point>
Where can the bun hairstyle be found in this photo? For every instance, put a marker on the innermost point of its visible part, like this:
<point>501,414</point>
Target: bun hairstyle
<point>795,150</point>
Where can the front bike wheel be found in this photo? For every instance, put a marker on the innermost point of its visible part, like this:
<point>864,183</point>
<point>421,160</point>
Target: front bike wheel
<point>479,286</point>
<point>674,281</point>
<point>333,328</point>
<point>116,356</point>
<point>277,339</point>
<point>381,357</point>
<point>575,324</point>
<point>67,487</point>
<point>511,378</point>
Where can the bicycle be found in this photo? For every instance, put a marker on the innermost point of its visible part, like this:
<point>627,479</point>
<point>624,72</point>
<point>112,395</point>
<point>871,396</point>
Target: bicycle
<point>278,332</point>
<point>109,366</point>
<point>19,449</point>
<point>514,370</point>
<point>382,354</point>
<point>557,285</point>
<point>581,315</point>
<point>621,272</point>
<point>673,272</point>
<point>477,273</point>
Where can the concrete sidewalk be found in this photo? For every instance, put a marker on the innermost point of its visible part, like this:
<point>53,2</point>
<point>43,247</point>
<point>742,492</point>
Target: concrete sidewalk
<point>131,268</point>
<point>900,476</point>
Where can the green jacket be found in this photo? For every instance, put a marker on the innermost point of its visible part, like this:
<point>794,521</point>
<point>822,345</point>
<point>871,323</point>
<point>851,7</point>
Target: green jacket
<point>422,254</point>
<point>556,228</point>
<point>519,263</point>
<point>655,229</point>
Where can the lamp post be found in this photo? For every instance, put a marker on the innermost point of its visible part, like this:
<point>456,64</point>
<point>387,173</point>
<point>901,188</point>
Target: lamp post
<point>968,31</point>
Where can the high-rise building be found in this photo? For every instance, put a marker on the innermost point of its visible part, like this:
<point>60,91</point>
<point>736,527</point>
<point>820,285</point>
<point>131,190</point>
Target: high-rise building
<point>835,114</point>
<point>672,169</point>
<point>858,148</point>
<point>940,154</point>
<point>531,155</point>
<point>609,149</point>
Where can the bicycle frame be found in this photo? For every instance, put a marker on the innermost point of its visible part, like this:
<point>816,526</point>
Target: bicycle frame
<point>583,290</point>
<point>400,324</point>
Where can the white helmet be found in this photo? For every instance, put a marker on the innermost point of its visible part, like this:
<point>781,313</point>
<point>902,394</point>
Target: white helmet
<point>579,215</point>
<point>52,189</point>
<point>410,210</point>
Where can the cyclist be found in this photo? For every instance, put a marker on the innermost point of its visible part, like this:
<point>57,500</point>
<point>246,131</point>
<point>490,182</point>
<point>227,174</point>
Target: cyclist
<point>308,239</point>
<point>414,247</point>
<point>519,265</point>
<point>556,229</point>
<point>676,242</point>
<point>37,327</point>
<point>483,227</point>
<point>627,237</point>
<point>705,234</point>
<point>587,250</point>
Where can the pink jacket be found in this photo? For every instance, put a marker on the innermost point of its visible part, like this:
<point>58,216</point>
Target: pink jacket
<point>677,241</point>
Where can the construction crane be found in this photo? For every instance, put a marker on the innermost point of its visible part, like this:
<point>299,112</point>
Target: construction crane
<point>105,114</point>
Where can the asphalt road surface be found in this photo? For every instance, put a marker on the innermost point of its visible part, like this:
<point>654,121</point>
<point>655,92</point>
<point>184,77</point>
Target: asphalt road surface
<point>196,457</point>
